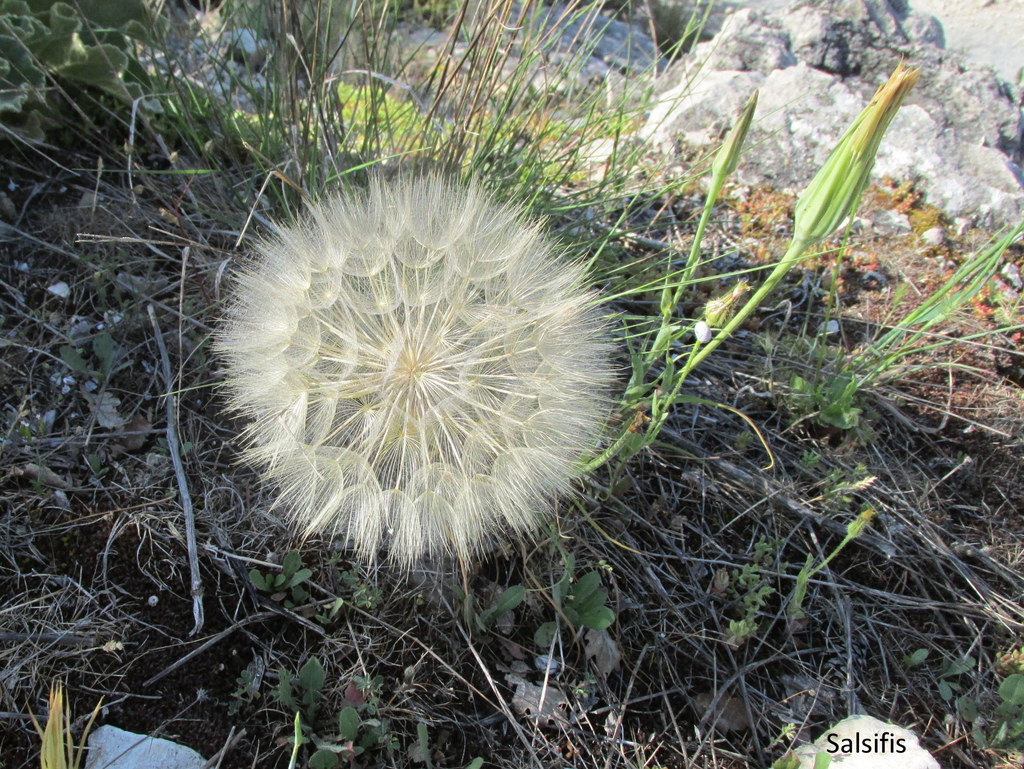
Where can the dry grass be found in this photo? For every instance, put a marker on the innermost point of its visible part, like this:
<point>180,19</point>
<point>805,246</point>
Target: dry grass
<point>95,552</point>
<point>690,537</point>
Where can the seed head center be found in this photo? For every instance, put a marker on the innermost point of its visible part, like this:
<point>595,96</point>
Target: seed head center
<point>423,379</point>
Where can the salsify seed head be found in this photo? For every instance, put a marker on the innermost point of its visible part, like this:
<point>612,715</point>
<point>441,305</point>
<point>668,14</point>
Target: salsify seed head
<point>420,372</point>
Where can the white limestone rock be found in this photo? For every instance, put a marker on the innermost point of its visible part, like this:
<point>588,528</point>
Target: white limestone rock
<point>114,748</point>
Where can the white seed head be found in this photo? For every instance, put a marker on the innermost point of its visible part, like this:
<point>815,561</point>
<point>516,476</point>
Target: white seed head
<point>420,372</point>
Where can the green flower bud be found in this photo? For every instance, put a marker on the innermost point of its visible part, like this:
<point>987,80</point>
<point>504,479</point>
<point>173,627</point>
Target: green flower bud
<point>833,194</point>
<point>728,156</point>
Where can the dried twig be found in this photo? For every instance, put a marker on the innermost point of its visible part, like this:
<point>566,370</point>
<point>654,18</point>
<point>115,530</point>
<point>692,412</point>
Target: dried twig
<point>179,471</point>
<point>68,639</point>
<point>233,739</point>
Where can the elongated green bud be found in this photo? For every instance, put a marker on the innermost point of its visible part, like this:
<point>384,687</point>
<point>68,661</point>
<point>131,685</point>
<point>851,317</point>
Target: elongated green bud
<point>728,156</point>
<point>833,194</point>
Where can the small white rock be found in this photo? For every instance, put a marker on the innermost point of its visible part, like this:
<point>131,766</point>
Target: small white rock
<point>1011,273</point>
<point>935,236</point>
<point>547,665</point>
<point>61,289</point>
<point>829,327</point>
<point>864,742</point>
<point>888,222</point>
<point>114,748</point>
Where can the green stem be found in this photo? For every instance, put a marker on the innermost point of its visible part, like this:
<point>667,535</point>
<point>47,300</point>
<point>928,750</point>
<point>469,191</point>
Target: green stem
<point>793,253</point>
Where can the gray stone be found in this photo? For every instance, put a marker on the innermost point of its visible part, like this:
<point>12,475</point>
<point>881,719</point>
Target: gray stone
<point>619,45</point>
<point>889,222</point>
<point>963,224</point>
<point>853,37</point>
<point>750,41</point>
<point>568,48</point>
<point>246,47</point>
<point>958,138</point>
<point>114,748</point>
<point>1011,273</point>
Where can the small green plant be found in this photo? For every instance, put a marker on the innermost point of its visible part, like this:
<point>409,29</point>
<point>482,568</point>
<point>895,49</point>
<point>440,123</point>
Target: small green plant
<point>359,591</point>
<point>1005,730</point>
<point>285,585</point>
<point>834,395</point>
<point>509,600</point>
<point>1002,730</point>
<point>749,587</point>
<point>105,355</point>
<point>841,486</point>
<point>949,679</point>
<point>247,685</point>
<point>46,47</point>
<point>582,602</point>
<point>340,739</point>
<point>832,401</point>
<point>794,608</point>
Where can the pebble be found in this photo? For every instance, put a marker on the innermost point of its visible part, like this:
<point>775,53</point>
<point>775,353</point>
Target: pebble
<point>891,223</point>
<point>936,236</point>
<point>962,225</point>
<point>1011,273</point>
<point>829,327</point>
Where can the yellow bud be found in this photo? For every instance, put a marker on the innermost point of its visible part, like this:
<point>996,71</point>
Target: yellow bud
<point>717,310</point>
<point>857,525</point>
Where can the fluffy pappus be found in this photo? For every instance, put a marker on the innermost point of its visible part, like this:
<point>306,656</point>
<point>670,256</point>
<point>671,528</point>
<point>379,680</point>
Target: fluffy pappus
<point>419,369</point>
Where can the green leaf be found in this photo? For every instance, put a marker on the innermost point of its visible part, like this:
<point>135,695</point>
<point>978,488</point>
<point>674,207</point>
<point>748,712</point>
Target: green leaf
<point>945,691</point>
<point>105,350</point>
<point>958,667</point>
<point>292,563</point>
<point>916,657</point>
<point>324,759</point>
<point>510,599</point>
<point>73,358</point>
<point>587,588</point>
<point>598,618</point>
<point>476,763</point>
<point>348,723</point>
<point>507,601</point>
<point>843,416</point>
<point>542,637</point>
<point>284,690</point>
<point>258,579</point>
<point>967,708</point>
<point>1012,689</point>
<point>298,577</point>
<point>311,679</point>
